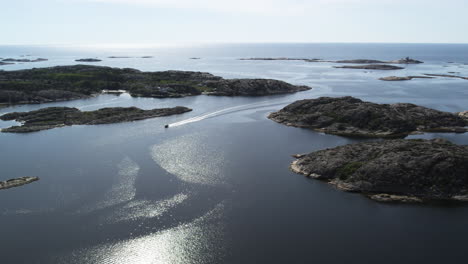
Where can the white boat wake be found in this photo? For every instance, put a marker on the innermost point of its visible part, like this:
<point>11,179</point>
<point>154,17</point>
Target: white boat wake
<point>225,111</point>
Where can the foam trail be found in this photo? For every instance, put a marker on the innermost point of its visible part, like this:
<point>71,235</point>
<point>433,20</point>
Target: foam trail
<point>222,112</point>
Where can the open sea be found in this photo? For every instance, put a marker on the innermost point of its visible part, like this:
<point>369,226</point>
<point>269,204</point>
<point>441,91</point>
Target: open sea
<point>216,188</point>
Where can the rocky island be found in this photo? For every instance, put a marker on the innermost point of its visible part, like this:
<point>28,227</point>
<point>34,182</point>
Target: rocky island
<point>17,182</point>
<point>349,116</point>
<point>393,170</point>
<point>251,87</point>
<point>88,60</point>
<point>446,76</point>
<point>283,59</point>
<point>52,117</point>
<point>406,60</point>
<point>60,83</point>
<point>404,78</point>
<point>5,63</point>
<point>370,67</point>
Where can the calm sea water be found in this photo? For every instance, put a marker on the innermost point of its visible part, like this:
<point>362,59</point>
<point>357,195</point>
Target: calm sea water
<point>218,190</point>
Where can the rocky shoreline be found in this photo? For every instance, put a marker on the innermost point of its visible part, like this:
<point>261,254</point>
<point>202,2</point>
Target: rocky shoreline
<point>53,117</point>
<point>405,78</point>
<point>349,116</point>
<point>384,67</point>
<point>17,182</point>
<point>406,60</point>
<point>409,171</point>
<point>88,60</point>
<point>446,76</point>
<point>61,83</point>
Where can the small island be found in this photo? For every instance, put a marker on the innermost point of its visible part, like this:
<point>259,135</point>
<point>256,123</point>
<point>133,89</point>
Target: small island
<point>41,85</point>
<point>446,76</point>
<point>88,60</point>
<point>384,67</point>
<point>406,60</point>
<point>349,116</point>
<point>5,63</point>
<point>283,59</point>
<point>409,171</point>
<point>52,117</point>
<point>404,78</point>
<point>17,182</point>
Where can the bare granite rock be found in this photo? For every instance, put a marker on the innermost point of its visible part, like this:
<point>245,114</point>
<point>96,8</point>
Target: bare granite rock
<point>252,87</point>
<point>88,60</point>
<point>393,170</point>
<point>384,67</point>
<point>61,83</point>
<point>447,76</point>
<point>404,78</point>
<point>17,182</point>
<point>349,116</point>
<point>52,117</point>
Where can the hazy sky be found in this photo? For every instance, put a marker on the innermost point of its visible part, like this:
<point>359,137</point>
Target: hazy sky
<point>186,21</point>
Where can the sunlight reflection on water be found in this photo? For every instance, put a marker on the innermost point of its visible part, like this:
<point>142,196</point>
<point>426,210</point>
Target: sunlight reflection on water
<point>191,159</point>
<point>194,242</point>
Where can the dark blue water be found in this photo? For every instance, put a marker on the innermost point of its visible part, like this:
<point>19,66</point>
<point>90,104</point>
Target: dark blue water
<point>218,189</point>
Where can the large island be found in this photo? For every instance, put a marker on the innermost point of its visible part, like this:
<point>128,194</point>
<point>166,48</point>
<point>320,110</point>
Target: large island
<point>393,170</point>
<point>61,83</point>
<point>349,116</point>
<point>52,117</point>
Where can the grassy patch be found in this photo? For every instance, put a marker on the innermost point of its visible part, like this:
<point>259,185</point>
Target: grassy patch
<point>348,169</point>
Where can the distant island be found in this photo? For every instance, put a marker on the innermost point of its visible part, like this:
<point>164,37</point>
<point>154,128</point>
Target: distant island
<point>11,61</point>
<point>40,85</point>
<point>410,171</point>
<point>52,117</point>
<point>88,60</point>
<point>406,60</point>
<point>349,116</point>
<point>384,67</point>
<point>283,59</point>
<point>17,182</point>
<point>405,78</point>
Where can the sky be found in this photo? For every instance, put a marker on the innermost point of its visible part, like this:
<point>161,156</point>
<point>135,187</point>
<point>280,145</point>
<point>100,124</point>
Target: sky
<point>160,22</point>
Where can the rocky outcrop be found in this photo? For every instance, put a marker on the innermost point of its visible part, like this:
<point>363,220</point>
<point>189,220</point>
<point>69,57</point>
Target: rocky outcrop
<point>52,117</point>
<point>463,115</point>
<point>447,76</point>
<point>80,81</point>
<point>360,61</point>
<point>348,116</point>
<point>393,170</point>
<point>22,60</point>
<point>16,60</point>
<point>252,87</point>
<point>371,67</point>
<point>5,63</point>
<point>17,182</point>
<point>404,78</point>
<point>88,60</point>
<point>283,59</point>
<point>406,60</point>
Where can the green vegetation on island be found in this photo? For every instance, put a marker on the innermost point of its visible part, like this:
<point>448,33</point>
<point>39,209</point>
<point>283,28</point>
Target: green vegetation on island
<point>60,83</point>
